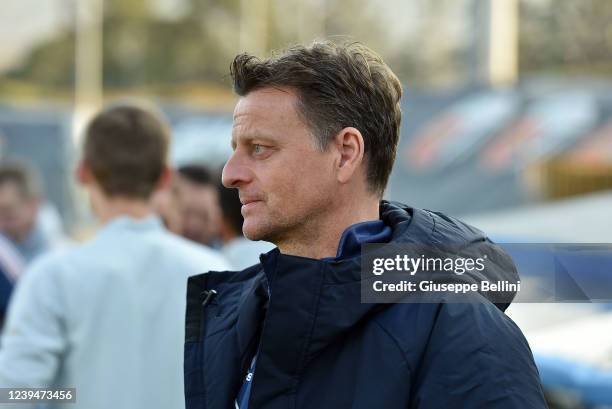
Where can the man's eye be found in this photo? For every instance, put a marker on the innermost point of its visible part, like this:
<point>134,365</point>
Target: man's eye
<point>258,148</point>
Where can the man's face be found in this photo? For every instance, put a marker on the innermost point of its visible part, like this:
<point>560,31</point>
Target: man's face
<point>199,211</point>
<point>285,182</point>
<point>17,212</point>
<point>165,205</point>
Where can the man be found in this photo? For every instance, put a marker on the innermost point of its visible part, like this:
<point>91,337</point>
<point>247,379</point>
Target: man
<point>105,317</point>
<point>164,205</point>
<point>239,251</point>
<point>315,135</point>
<point>11,267</point>
<point>20,210</point>
<point>198,203</point>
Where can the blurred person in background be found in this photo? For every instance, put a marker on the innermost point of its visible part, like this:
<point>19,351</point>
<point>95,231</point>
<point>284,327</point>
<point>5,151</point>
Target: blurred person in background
<point>32,225</point>
<point>165,205</point>
<point>197,199</point>
<point>239,251</point>
<point>11,267</point>
<point>107,316</point>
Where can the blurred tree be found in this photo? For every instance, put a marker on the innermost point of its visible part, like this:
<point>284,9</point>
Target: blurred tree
<point>563,35</point>
<point>125,42</point>
<point>424,41</point>
<point>50,64</point>
<point>141,49</point>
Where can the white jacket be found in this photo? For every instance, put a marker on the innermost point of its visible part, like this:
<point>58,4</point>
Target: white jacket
<point>106,317</point>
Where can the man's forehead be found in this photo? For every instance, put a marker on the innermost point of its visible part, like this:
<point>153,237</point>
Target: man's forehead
<point>262,112</point>
<point>267,100</point>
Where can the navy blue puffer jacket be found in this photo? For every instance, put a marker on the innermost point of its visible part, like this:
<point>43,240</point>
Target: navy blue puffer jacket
<point>319,347</point>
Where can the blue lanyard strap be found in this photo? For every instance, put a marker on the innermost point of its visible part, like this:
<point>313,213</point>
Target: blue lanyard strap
<point>242,401</point>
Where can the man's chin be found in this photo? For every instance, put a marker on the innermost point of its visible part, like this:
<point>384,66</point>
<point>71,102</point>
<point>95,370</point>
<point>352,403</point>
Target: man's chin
<point>255,232</point>
<point>253,235</point>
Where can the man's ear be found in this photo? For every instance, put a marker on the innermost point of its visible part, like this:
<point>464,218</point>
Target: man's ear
<point>83,173</point>
<point>165,178</point>
<point>350,146</point>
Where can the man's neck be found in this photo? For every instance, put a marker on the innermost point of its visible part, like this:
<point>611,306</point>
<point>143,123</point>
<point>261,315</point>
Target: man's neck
<point>109,208</point>
<point>321,240</point>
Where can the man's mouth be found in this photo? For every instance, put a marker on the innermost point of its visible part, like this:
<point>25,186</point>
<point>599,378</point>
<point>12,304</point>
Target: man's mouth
<point>249,203</point>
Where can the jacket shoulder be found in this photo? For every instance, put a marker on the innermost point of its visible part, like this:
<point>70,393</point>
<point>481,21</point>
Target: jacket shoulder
<point>480,318</point>
<point>414,224</point>
<point>470,333</point>
<point>215,278</point>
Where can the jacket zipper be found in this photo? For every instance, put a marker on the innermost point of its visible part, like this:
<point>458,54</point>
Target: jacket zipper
<point>207,297</point>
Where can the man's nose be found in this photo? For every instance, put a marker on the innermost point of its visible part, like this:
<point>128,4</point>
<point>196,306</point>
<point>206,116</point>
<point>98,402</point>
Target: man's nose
<point>235,172</point>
